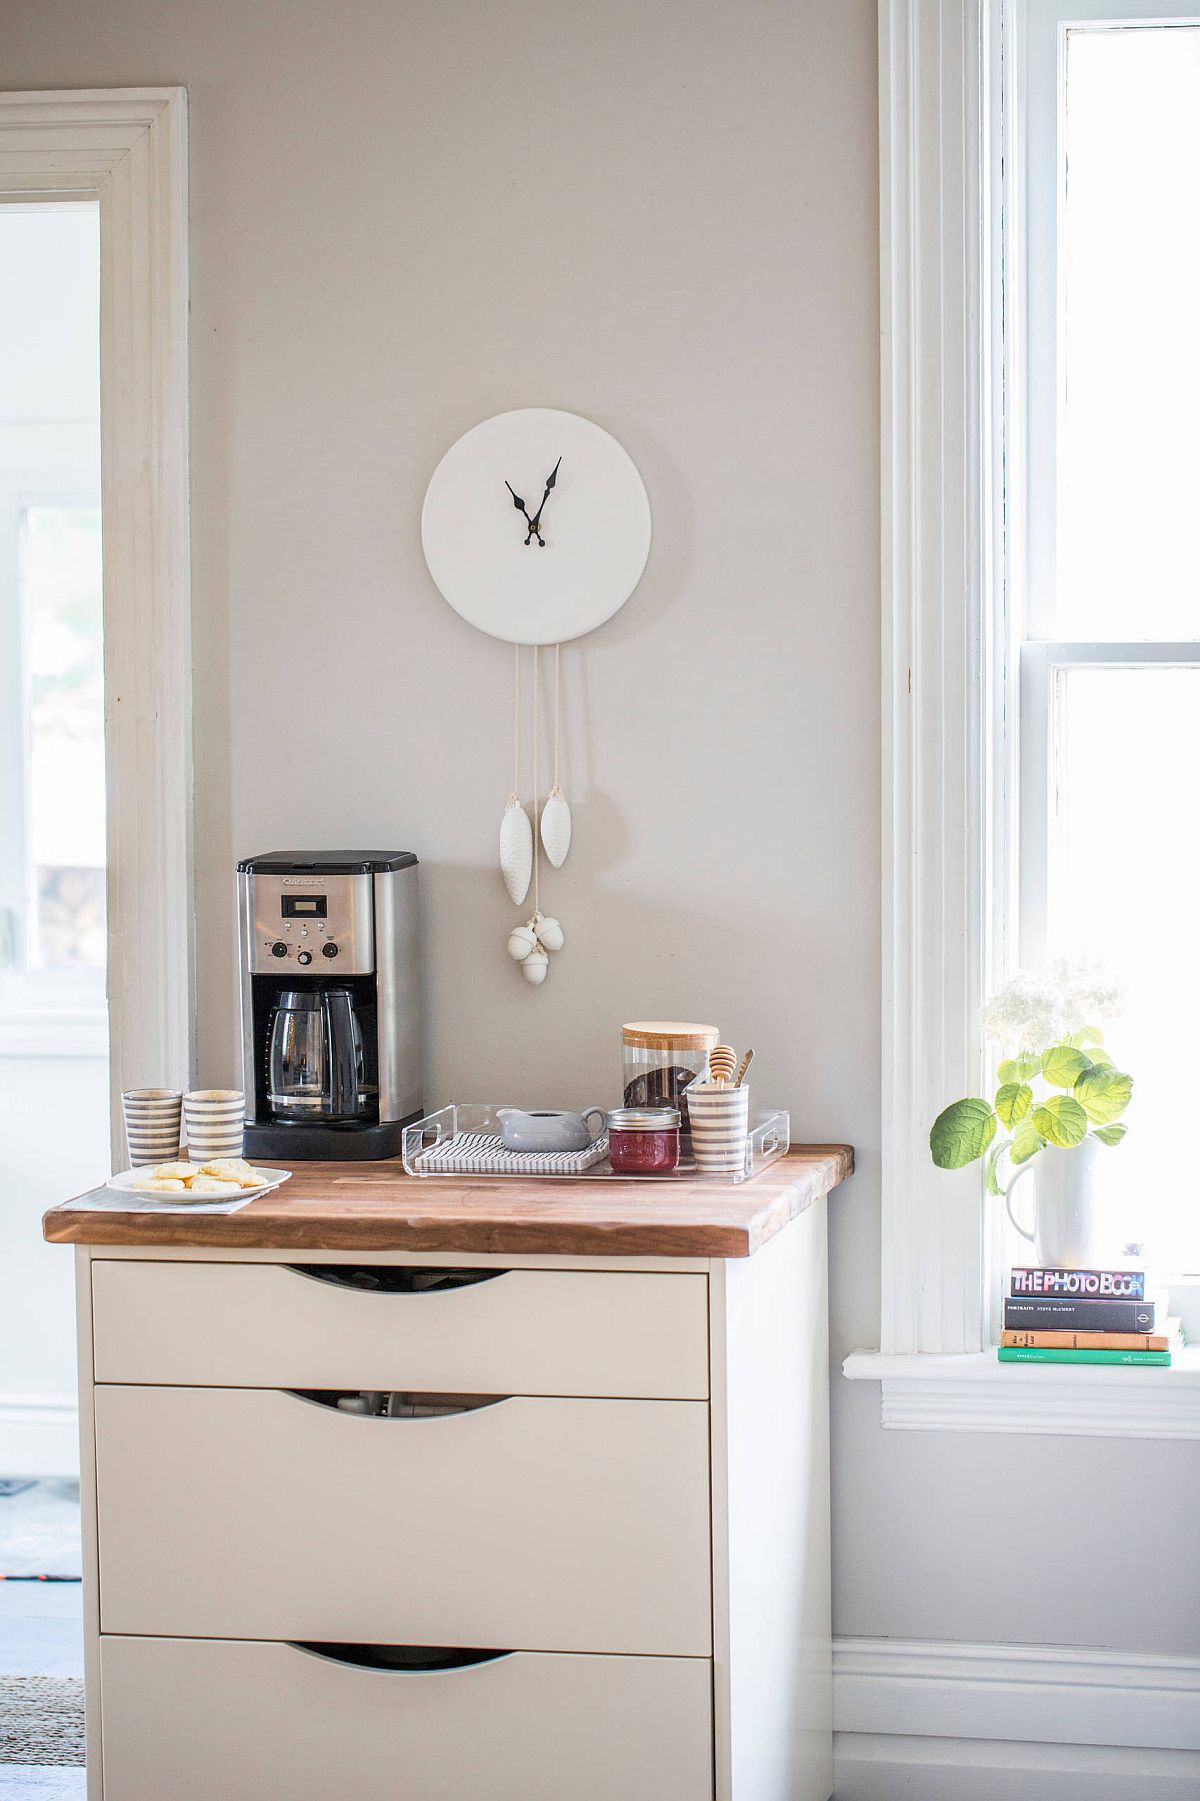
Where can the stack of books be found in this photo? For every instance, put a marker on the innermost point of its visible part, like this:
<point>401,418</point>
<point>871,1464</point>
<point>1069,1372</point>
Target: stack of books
<point>1086,1316</point>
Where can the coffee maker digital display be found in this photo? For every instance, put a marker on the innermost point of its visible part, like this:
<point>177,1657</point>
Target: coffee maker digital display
<point>330,976</point>
<point>304,906</point>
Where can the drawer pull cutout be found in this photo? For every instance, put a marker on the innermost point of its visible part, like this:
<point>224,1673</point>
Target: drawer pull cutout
<point>368,1278</point>
<point>399,1404</point>
<point>414,1659</point>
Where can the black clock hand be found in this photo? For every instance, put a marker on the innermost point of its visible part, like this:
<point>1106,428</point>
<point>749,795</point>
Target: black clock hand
<point>520,506</point>
<point>537,517</point>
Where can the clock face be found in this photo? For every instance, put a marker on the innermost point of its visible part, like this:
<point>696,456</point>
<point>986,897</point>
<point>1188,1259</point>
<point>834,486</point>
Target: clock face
<point>536,526</point>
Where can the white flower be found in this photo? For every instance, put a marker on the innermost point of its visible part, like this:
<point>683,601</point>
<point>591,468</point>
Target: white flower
<point>1037,1008</point>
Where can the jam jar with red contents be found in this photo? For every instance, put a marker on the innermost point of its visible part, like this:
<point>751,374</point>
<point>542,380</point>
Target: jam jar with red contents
<point>644,1141</point>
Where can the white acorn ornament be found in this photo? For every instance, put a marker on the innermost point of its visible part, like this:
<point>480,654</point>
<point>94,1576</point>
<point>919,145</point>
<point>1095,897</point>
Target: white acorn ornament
<point>516,849</point>
<point>556,827</point>
<point>535,966</point>
<point>521,941</point>
<point>549,933</point>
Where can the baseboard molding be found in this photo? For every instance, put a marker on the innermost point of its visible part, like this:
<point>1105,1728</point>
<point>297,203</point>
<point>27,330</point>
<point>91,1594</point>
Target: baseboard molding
<point>1045,1694</point>
<point>39,1435</point>
<point>971,1722</point>
<point>869,1768</point>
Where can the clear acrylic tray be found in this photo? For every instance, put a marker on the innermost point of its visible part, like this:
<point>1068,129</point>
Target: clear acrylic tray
<point>767,1140</point>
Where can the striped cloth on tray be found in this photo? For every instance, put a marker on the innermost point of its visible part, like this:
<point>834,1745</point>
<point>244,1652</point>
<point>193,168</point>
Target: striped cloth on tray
<point>482,1154</point>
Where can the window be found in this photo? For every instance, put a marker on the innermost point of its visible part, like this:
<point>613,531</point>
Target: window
<point>1106,577</point>
<point>1041,634</point>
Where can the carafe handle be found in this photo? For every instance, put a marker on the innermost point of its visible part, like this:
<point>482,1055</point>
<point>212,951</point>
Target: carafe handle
<point>339,1045</point>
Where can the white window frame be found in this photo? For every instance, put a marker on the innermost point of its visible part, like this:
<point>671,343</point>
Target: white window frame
<point>126,148</point>
<point>950,400</point>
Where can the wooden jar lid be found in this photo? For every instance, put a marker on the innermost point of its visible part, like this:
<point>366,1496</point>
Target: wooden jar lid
<point>668,1034</point>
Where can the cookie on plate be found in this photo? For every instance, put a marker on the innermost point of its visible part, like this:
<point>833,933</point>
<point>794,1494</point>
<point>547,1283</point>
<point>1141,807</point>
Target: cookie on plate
<point>233,1169</point>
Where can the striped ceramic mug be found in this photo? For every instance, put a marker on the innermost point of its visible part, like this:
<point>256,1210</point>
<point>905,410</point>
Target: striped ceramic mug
<point>719,1118</point>
<point>152,1124</point>
<point>215,1119</point>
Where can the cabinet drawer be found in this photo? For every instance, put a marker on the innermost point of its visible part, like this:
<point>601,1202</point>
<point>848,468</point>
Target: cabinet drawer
<point>552,1332</point>
<point>192,1719</point>
<point>550,1525</point>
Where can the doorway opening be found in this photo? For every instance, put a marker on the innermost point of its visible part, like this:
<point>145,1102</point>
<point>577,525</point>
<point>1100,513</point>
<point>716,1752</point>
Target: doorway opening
<point>54,1041</point>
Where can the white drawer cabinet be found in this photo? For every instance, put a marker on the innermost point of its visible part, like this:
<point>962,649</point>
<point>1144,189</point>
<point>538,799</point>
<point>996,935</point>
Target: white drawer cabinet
<point>532,1524</point>
<point>194,1719</point>
<point>608,1582</point>
<point>519,1331</point>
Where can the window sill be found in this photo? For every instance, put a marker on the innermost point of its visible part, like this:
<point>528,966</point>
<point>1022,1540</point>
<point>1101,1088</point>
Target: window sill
<point>974,1393</point>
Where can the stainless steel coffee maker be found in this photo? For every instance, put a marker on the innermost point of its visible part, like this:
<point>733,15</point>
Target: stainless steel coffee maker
<point>331,1022</point>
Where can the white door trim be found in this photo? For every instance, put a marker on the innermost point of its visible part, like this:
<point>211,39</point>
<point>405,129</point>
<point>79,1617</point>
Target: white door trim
<point>126,148</point>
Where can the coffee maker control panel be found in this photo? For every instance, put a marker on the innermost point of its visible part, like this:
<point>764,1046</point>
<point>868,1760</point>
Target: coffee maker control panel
<point>321,923</point>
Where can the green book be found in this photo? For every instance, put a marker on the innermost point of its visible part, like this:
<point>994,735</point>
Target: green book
<point>1055,1354</point>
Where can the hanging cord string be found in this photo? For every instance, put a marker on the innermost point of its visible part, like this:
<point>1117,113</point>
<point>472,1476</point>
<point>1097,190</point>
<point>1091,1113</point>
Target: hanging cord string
<point>537,836</point>
<point>516,787</point>
<point>557,661</point>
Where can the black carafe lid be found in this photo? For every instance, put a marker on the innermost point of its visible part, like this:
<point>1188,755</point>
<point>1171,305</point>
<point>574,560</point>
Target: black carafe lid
<point>326,862</point>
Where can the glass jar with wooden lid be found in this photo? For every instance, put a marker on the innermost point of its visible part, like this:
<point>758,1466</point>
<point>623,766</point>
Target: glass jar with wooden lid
<point>659,1058</point>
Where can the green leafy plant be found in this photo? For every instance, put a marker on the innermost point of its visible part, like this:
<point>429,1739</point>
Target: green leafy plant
<point>1056,1097</point>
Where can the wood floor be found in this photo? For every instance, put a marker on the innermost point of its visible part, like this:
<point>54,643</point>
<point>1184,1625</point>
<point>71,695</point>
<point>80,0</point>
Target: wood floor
<point>41,1634</point>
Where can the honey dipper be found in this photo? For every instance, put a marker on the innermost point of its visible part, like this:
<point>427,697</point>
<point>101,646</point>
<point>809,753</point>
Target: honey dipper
<point>722,1064</point>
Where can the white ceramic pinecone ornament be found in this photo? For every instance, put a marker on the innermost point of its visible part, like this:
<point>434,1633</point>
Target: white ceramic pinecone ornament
<point>535,966</point>
<point>556,827</point>
<point>549,933</point>
<point>516,850</point>
<point>521,940</point>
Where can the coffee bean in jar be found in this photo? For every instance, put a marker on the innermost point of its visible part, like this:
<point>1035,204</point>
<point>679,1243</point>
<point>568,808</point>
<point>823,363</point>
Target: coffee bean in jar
<point>660,1058</point>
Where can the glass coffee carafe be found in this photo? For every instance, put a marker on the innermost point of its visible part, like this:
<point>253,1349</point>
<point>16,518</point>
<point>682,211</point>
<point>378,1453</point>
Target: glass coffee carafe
<point>315,1058</point>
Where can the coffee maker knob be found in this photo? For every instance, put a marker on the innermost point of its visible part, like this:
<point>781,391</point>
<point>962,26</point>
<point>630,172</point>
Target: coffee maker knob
<point>329,950</point>
<point>279,948</point>
<point>304,957</point>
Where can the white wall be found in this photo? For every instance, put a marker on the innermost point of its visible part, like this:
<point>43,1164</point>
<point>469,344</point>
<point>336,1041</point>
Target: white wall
<point>407,216</point>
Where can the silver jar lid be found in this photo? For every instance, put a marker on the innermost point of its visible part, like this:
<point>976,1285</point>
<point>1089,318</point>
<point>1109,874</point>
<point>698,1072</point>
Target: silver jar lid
<point>643,1119</point>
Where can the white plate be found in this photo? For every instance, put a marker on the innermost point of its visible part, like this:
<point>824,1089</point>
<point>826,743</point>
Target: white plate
<point>133,1181</point>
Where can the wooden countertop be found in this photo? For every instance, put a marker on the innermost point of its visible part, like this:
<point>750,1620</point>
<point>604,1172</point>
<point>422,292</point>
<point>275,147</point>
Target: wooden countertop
<point>377,1207</point>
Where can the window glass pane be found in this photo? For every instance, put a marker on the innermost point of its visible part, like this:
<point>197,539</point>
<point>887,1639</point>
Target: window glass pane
<point>66,733</point>
<point>1128,557</point>
<point>1124,882</point>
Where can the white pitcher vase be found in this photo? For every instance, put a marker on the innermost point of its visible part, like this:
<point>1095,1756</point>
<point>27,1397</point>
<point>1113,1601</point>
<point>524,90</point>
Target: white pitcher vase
<point>1068,1228</point>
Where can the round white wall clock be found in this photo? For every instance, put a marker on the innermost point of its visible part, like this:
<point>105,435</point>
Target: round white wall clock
<point>536,529</point>
<point>536,526</point>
